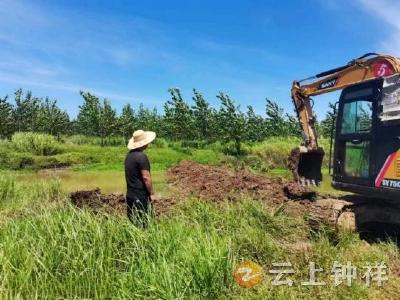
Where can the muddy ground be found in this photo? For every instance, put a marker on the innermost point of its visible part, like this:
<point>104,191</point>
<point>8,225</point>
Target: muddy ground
<point>95,201</point>
<point>213,184</point>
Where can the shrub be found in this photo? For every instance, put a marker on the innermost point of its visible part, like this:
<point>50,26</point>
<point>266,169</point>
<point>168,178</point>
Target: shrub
<point>18,160</point>
<point>160,143</point>
<point>79,139</point>
<point>75,158</point>
<point>231,149</point>
<point>45,162</point>
<point>35,143</point>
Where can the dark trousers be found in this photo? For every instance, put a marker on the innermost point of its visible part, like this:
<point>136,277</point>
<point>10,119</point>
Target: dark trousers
<point>138,209</point>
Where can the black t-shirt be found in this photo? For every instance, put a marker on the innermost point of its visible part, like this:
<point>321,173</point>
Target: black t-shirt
<point>135,162</point>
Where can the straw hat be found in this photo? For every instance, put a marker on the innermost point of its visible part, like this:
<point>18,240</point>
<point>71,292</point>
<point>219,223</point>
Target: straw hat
<point>141,138</point>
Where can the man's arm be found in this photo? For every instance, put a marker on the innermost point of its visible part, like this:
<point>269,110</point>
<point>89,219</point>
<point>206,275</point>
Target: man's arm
<point>148,181</point>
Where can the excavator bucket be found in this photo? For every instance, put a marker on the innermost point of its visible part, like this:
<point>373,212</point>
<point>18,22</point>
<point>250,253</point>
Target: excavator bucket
<point>306,165</point>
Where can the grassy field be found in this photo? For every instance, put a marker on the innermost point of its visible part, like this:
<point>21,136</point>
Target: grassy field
<point>49,249</point>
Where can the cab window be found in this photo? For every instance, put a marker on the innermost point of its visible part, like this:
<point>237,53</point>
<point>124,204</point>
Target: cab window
<point>357,159</point>
<point>357,117</point>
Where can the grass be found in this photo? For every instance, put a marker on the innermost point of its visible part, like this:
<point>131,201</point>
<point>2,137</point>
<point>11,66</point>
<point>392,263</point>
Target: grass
<point>21,154</point>
<point>51,250</point>
<point>65,252</point>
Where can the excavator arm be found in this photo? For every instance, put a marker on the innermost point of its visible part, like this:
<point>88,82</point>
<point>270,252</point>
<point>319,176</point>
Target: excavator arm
<point>306,161</point>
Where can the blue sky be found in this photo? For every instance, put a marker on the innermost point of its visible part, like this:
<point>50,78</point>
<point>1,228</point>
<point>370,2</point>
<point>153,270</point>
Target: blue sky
<point>133,51</point>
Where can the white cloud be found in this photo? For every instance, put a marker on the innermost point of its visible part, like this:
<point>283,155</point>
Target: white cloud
<point>64,86</point>
<point>56,49</point>
<point>387,11</point>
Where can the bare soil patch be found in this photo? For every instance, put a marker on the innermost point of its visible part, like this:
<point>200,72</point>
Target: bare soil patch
<point>213,184</point>
<point>95,201</point>
<point>217,184</point>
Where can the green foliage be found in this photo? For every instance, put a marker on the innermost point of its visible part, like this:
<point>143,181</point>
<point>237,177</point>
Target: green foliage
<point>107,121</point>
<point>37,144</point>
<point>25,111</point>
<point>255,126</point>
<point>204,118</point>
<point>179,120</point>
<point>6,117</point>
<point>96,118</point>
<point>127,122</point>
<point>232,122</point>
<point>79,139</point>
<point>178,117</point>
<point>88,120</point>
<point>325,127</point>
<point>51,119</point>
<point>149,119</point>
<point>279,124</point>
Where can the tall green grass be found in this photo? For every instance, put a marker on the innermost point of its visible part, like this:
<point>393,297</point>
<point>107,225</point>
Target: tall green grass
<point>64,252</point>
<point>38,151</point>
<point>35,143</point>
<point>20,197</point>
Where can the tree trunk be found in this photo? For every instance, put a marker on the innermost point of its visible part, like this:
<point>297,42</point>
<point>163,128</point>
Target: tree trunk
<point>238,147</point>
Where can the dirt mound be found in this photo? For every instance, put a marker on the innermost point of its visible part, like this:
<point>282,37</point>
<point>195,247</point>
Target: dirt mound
<point>213,184</point>
<point>295,191</point>
<point>217,184</point>
<point>293,163</point>
<point>95,201</point>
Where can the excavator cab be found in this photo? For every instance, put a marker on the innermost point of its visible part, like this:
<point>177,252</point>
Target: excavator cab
<point>356,133</point>
<point>367,139</point>
<point>366,157</point>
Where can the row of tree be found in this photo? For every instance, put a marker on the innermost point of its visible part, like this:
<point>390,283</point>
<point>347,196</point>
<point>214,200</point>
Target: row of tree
<point>178,121</point>
<point>34,114</point>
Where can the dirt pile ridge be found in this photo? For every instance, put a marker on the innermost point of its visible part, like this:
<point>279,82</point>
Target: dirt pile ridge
<point>213,184</point>
<point>217,184</point>
<point>95,201</point>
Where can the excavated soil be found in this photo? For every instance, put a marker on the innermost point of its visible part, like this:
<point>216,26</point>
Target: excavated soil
<point>213,184</point>
<point>217,184</point>
<point>293,163</point>
<point>95,201</point>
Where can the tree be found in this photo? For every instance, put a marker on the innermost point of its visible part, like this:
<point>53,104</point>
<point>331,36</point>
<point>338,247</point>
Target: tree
<point>6,118</point>
<point>275,121</point>
<point>232,122</point>
<point>292,126</point>
<point>178,117</point>
<point>95,118</point>
<point>25,111</point>
<point>255,130</point>
<point>127,121</point>
<point>148,119</point>
<point>325,126</point>
<point>51,119</point>
<point>204,117</point>
<point>88,120</point>
<point>107,121</point>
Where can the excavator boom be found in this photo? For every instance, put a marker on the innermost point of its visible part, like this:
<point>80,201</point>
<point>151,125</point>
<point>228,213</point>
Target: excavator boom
<point>306,161</point>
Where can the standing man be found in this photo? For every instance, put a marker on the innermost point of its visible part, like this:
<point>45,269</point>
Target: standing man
<point>138,179</point>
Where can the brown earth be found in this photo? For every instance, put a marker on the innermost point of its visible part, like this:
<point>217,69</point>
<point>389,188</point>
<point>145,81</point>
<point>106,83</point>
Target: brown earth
<point>95,201</point>
<point>216,184</point>
<point>213,184</point>
<point>293,163</point>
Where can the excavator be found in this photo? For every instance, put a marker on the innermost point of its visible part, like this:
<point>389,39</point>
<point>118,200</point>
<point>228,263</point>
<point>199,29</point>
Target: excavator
<point>365,139</point>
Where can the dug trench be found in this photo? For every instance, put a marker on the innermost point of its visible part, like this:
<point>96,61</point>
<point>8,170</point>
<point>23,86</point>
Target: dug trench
<point>207,183</point>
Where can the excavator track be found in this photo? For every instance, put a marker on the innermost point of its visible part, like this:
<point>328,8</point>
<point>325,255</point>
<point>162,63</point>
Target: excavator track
<point>355,213</point>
